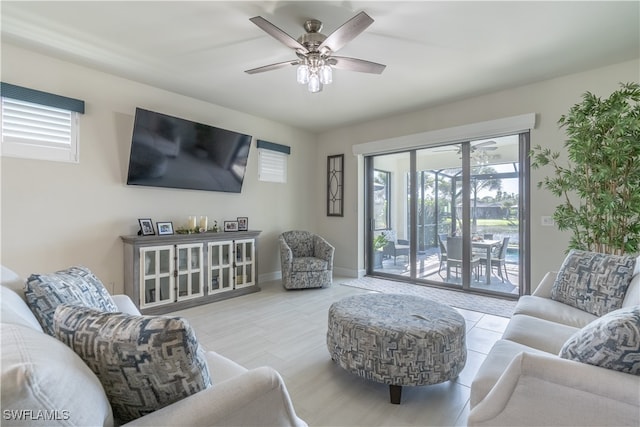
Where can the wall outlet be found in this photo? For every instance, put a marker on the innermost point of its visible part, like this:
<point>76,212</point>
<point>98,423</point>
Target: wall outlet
<point>547,221</point>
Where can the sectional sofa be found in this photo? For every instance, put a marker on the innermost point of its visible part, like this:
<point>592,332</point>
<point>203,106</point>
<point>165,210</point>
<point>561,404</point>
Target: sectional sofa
<point>559,365</point>
<point>44,382</point>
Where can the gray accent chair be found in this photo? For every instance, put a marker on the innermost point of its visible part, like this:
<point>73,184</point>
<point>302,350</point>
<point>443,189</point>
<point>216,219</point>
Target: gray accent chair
<point>306,260</point>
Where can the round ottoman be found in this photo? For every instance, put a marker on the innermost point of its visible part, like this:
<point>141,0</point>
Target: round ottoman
<point>400,340</point>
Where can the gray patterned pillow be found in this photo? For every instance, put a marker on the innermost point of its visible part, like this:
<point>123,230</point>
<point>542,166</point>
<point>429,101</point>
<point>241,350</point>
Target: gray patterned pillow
<point>612,342</point>
<point>75,286</point>
<point>143,362</point>
<point>593,282</point>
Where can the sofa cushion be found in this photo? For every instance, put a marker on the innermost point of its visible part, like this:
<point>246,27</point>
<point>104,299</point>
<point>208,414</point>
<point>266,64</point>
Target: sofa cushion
<point>309,264</point>
<point>12,280</point>
<point>41,377</point>
<point>612,342</point>
<point>593,282</point>
<point>538,333</point>
<point>75,285</point>
<point>553,311</point>
<point>143,362</point>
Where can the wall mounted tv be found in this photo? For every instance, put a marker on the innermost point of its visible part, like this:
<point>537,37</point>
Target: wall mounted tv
<point>171,152</point>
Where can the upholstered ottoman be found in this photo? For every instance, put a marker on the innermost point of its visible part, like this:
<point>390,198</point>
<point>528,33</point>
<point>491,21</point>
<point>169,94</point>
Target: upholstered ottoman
<point>400,340</point>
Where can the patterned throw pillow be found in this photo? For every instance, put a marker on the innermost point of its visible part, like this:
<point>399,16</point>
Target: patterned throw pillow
<point>593,282</point>
<point>612,342</point>
<point>75,285</point>
<point>143,362</point>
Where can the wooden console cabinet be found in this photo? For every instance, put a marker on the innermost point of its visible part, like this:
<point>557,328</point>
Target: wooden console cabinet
<point>168,273</point>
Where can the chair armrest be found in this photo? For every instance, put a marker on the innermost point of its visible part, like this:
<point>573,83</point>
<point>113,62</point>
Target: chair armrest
<point>125,304</point>
<point>542,390</point>
<point>258,397</point>
<point>323,250</point>
<point>544,287</point>
<point>286,256</point>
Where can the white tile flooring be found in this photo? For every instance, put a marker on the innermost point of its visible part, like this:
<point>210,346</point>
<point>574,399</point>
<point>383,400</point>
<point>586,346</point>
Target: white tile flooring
<point>287,330</point>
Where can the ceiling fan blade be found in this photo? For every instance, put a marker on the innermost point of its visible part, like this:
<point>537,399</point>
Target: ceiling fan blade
<point>271,67</point>
<point>347,32</point>
<point>354,64</point>
<point>485,143</point>
<point>278,34</point>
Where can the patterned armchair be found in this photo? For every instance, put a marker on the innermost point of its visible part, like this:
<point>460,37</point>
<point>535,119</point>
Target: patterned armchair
<point>306,259</point>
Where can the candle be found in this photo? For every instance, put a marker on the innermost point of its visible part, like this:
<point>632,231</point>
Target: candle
<point>203,222</point>
<point>192,223</point>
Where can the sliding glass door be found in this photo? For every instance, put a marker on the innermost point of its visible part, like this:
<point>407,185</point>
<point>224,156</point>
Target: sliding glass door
<point>451,215</point>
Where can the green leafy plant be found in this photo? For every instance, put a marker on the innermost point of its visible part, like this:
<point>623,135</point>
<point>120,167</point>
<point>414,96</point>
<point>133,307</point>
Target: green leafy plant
<point>379,242</point>
<point>600,183</point>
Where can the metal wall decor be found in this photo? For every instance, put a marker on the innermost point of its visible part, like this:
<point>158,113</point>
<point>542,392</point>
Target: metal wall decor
<point>335,185</point>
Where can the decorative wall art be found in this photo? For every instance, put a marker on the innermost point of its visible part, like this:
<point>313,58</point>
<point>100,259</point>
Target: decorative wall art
<point>335,185</point>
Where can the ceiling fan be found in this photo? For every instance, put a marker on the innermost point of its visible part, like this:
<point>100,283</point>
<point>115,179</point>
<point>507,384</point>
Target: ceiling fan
<point>315,50</point>
<point>481,146</point>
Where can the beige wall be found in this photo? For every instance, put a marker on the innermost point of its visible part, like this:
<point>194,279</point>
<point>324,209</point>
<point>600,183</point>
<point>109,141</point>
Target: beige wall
<point>58,214</point>
<point>549,100</point>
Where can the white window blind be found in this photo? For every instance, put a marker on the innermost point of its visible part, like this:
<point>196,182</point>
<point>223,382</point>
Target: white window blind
<point>272,166</point>
<point>37,125</point>
<point>272,161</point>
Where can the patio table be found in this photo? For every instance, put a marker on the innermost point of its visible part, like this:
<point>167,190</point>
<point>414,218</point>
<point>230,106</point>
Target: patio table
<point>488,245</point>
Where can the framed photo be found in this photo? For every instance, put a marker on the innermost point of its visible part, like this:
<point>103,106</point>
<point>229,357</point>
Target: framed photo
<point>231,226</point>
<point>164,228</point>
<point>146,227</point>
<point>243,223</point>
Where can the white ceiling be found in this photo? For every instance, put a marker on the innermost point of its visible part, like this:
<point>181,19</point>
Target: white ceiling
<point>435,52</point>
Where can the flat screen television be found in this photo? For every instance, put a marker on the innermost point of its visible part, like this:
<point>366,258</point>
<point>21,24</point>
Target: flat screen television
<point>171,152</point>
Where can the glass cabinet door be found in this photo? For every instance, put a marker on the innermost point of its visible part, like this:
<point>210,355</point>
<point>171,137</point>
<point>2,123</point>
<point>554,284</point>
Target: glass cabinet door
<point>190,272</point>
<point>245,251</point>
<point>156,268</point>
<point>220,266</point>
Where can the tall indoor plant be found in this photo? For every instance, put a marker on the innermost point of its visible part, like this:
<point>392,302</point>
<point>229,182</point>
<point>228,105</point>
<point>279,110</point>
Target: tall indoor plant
<point>600,183</point>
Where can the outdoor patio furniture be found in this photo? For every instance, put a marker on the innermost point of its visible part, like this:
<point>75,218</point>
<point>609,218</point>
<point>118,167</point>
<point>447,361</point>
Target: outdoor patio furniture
<point>454,256</point>
<point>498,259</point>
<point>443,250</point>
<point>395,247</point>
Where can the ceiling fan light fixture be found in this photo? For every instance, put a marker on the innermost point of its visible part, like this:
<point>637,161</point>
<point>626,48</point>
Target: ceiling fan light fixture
<point>326,74</point>
<point>302,74</point>
<point>314,83</point>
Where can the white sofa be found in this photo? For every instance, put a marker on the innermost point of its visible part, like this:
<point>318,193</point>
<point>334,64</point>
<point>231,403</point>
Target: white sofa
<point>45,383</point>
<point>523,381</point>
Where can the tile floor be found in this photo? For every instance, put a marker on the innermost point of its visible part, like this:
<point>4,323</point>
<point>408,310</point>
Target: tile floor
<point>287,330</point>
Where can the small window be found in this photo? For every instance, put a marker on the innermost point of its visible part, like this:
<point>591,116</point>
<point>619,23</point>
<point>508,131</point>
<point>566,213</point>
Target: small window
<point>272,162</point>
<point>37,125</point>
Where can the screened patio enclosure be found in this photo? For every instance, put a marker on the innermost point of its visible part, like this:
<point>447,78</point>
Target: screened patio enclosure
<point>450,215</point>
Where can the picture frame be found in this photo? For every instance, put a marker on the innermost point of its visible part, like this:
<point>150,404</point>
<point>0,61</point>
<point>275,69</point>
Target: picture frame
<point>231,226</point>
<point>243,223</point>
<point>146,227</point>
<point>164,228</point>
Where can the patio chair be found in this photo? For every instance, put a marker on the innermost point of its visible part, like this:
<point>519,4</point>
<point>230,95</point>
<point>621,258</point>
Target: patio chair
<point>443,250</point>
<point>454,257</point>
<point>395,247</point>
<point>498,259</point>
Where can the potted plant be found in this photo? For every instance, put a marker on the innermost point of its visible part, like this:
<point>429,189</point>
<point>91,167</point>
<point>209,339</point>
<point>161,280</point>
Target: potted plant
<point>600,182</point>
<point>379,242</point>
